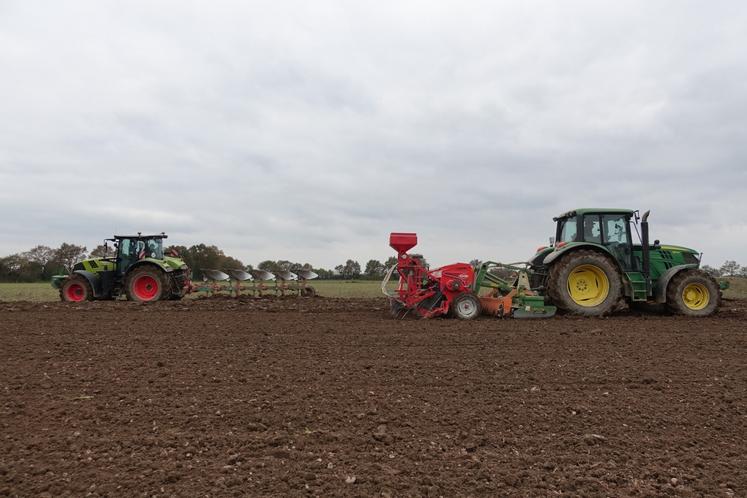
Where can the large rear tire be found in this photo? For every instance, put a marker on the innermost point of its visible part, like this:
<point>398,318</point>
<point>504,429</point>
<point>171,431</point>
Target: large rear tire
<point>146,284</point>
<point>693,293</point>
<point>76,289</point>
<point>585,283</point>
<point>466,306</point>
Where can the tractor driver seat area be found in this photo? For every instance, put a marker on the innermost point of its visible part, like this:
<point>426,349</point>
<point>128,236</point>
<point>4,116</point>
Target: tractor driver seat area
<point>127,255</point>
<point>592,233</point>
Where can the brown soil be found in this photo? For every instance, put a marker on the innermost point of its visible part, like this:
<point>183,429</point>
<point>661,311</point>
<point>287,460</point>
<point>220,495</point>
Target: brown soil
<point>330,396</point>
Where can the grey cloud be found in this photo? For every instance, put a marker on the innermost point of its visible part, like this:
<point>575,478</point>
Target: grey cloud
<point>309,131</point>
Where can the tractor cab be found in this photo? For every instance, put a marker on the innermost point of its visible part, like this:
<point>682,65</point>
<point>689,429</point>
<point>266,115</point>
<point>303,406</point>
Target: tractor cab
<point>132,248</point>
<point>610,228</point>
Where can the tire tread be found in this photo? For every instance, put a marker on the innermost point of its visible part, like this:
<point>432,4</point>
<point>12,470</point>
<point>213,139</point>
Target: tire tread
<point>674,291</point>
<point>566,263</point>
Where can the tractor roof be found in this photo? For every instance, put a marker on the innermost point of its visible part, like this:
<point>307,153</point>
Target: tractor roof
<point>141,236</point>
<point>574,212</point>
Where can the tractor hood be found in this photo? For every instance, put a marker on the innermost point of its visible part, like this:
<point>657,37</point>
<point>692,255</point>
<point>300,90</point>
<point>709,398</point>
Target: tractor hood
<point>95,265</point>
<point>548,257</point>
<point>174,263</point>
<point>670,247</point>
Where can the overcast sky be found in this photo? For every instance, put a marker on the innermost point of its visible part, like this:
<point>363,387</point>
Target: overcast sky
<point>309,130</point>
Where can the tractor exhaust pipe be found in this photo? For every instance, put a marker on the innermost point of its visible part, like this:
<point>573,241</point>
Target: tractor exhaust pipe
<point>646,270</point>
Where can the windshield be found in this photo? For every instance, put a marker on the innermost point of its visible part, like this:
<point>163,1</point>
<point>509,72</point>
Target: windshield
<point>567,230</point>
<point>154,248</point>
<point>142,248</point>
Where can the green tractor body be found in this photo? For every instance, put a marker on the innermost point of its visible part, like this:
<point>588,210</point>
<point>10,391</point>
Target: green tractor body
<point>599,258</point>
<point>139,269</point>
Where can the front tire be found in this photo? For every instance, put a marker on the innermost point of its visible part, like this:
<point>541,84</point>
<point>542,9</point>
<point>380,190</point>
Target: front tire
<point>466,306</point>
<point>145,284</point>
<point>693,293</point>
<point>585,283</point>
<point>76,289</point>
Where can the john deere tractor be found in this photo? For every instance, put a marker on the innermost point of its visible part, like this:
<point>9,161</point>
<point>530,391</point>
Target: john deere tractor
<point>593,266</point>
<point>139,270</point>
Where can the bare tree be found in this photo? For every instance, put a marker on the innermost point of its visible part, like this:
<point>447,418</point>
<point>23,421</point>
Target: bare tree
<point>730,268</point>
<point>39,254</point>
<point>68,254</point>
<point>102,251</point>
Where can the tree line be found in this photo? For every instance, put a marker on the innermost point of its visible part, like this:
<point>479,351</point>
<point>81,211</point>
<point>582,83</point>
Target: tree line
<point>730,268</point>
<point>42,262</point>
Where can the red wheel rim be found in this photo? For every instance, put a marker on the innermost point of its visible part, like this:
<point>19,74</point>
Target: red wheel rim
<point>75,293</point>
<point>145,288</point>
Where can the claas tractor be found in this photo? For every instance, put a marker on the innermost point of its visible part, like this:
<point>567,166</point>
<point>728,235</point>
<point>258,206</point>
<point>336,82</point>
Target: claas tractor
<point>595,265</point>
<point>139,269</point>
<point>592,267</point>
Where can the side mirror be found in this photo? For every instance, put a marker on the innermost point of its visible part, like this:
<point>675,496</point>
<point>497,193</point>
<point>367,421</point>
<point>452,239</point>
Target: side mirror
<point>552,241</point>
<point>656,244</point>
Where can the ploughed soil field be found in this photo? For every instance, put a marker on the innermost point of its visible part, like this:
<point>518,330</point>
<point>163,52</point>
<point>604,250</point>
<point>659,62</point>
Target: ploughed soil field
<point>332,397</point>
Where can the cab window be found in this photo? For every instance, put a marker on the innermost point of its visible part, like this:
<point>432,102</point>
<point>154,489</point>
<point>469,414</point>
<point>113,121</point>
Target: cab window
<point>154,248</point>
<point>568,228</point>
<point>616,238</point>
<point>615,229</point>
<point>592,229</point>
<point>124,247</point>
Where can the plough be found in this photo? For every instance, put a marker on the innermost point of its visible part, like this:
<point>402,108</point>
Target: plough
<point>256,283</point>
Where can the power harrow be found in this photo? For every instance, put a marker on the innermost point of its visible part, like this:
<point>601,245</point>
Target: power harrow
<point>460,289</point>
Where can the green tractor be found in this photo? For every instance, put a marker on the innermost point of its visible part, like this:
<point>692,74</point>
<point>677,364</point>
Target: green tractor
<point>139,269</point>
<point>593,266</point>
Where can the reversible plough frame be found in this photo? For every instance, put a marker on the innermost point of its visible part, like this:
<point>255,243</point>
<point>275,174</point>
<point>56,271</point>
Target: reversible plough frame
<point>255,283</point>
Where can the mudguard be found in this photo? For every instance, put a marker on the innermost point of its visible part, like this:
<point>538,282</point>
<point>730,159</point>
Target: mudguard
<point>93,280</point>
<point>572,246</point>
<point>153,262</point>
<point>660,287</point>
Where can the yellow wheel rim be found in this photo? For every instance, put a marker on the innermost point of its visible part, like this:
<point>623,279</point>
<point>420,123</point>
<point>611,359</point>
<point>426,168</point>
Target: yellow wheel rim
<point>588,285</point>
<point>696,296</point>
